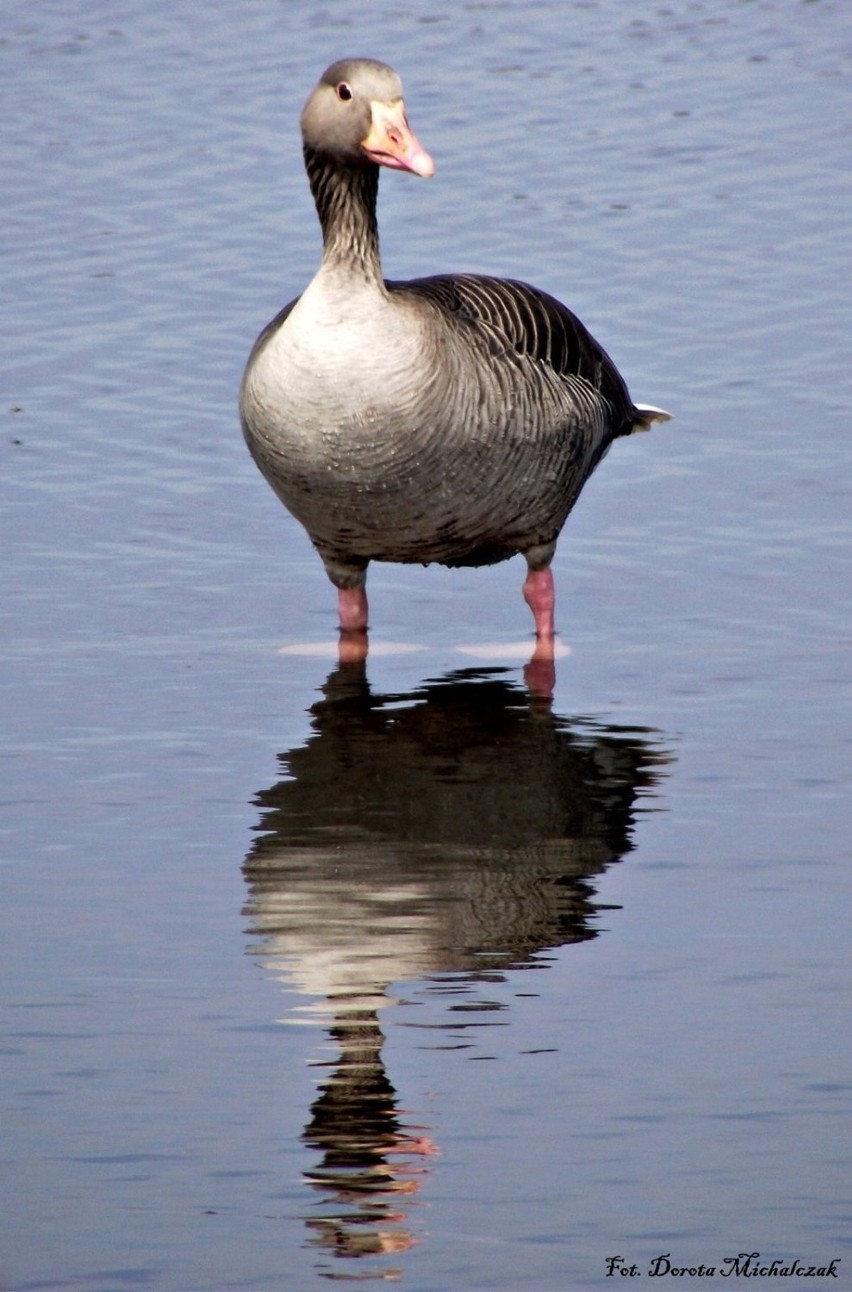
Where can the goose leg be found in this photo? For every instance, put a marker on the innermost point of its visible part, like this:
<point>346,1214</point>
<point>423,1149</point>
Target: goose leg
<point>349,576</point>
<point>540,672</point>
<point>352,609</point>
<point>540,597</point>
<point>353,644</point>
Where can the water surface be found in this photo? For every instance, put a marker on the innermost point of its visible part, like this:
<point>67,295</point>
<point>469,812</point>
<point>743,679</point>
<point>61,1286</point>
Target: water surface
<point>404,972</point>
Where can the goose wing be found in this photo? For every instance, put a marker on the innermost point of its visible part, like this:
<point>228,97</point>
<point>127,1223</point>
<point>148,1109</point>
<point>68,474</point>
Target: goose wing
<point>513,316</point>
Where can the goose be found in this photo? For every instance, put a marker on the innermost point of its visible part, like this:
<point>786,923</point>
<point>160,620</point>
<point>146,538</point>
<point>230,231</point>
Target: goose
<point>450,419</point>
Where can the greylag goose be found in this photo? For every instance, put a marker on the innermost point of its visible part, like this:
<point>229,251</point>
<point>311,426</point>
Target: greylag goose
<point>452,419</point>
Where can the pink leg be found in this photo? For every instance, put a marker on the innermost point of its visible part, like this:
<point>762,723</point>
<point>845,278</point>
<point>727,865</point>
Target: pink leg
<point>541,598</point>
<point>352,612</point>
<point>352,609</point>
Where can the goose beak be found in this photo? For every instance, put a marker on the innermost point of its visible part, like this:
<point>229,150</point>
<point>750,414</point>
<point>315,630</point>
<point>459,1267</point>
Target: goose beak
<point>391,142</point>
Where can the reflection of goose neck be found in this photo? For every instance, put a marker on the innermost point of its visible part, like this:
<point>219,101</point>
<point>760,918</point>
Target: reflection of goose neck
<point>369,1159</point>
<point>354,1116</point>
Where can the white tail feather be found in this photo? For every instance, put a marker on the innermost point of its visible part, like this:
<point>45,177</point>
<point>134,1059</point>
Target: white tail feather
<point>646,415</point>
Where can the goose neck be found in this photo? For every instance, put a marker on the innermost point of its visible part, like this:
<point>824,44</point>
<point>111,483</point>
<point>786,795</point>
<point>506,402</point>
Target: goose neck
<point>345,198</point>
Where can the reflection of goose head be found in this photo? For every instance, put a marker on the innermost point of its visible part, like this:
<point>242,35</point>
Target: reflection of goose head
<point>452,829</point>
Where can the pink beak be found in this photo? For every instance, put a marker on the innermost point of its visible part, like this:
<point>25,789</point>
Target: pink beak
<point>392,143</point>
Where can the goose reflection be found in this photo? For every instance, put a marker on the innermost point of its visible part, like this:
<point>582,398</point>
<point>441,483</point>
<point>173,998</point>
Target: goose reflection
<point>450,830</point>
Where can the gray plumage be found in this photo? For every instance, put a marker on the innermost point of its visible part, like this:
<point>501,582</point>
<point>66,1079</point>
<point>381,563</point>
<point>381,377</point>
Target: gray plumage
<point>452,419</point>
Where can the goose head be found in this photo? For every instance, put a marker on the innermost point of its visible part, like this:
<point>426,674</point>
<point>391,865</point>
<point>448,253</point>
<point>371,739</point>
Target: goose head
<point>356,116</point>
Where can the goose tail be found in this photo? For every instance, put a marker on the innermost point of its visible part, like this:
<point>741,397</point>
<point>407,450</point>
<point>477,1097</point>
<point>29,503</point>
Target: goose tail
<point>645,415</point>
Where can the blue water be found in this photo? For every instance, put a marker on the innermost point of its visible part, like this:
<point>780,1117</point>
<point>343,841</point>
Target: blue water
<point>404,973</point>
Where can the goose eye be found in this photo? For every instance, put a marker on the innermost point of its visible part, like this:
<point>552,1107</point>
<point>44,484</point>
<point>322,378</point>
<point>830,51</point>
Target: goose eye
<point>344,92</point>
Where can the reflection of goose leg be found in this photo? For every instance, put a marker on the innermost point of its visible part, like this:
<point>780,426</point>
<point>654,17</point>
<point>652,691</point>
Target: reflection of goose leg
<point>352,647</point>
<point>540,672</point>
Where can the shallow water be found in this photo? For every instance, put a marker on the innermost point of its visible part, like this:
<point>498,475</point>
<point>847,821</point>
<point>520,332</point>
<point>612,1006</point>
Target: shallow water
<point>406,972</point>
